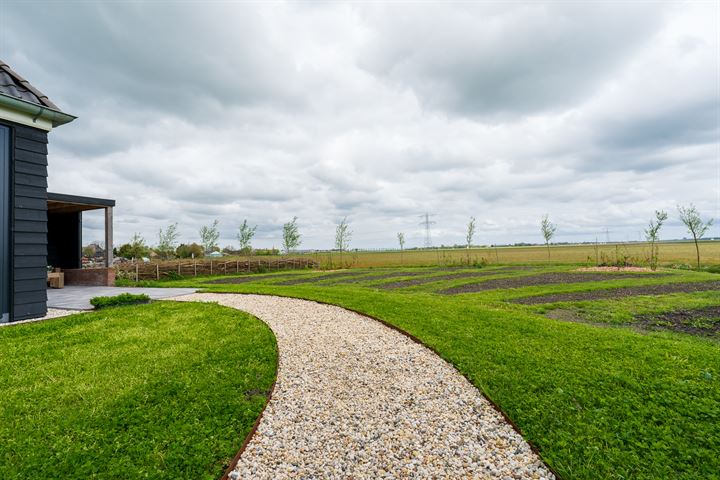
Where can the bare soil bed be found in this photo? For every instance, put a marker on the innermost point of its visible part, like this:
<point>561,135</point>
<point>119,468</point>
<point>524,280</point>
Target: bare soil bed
<point>453,276</point>
<point>701,321</point>
<point>383,276</point>
<point>552,278</point>
<point>664,289</point>
<point>320,278</point>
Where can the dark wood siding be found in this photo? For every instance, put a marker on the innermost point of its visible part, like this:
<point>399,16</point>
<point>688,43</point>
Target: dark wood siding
<point>29,228</point>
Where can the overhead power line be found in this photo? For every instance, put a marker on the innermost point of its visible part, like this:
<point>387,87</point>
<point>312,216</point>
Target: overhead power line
<point>427,223</point>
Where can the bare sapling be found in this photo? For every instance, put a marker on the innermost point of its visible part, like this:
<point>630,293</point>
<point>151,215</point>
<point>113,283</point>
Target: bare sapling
<point>695,225</point>
<point>469,236</point>
<point>653,237</point>
<point>548,232</point>
<point>291,235</point>
<point>245,236</point>
<point>343,234</point>
<point>209,236</point>
<point>401,241</point>
<point>167,241</point>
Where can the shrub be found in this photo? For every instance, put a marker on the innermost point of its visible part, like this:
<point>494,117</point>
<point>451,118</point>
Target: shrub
<point>117,300</point>
<point>172,275</point>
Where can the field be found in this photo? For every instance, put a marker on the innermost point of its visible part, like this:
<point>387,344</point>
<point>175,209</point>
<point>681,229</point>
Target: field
<point>671,253</point>
<point>132,392</point>
<point>617,384</point>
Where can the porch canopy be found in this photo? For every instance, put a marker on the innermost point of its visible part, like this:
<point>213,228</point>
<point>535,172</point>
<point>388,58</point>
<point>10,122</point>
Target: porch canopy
<point>65,228</point>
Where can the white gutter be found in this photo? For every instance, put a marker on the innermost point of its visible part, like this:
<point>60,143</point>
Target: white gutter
<point>32,114</point>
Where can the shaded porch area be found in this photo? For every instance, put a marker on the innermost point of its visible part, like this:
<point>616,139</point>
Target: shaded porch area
<point>64,237</point>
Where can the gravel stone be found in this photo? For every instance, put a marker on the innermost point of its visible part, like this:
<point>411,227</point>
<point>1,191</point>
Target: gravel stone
<point>356,399</point>
<point>51,313</point>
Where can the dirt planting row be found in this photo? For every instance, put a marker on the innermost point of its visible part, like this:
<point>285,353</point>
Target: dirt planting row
<point>702,321</point>
<point>664,289</point>
<point>553,278</point>
<point>396,274</point>
<point>453,276</point>
<point>320,278</point>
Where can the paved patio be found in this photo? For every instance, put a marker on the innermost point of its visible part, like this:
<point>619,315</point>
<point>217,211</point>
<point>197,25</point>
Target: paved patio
<point>78,298</point>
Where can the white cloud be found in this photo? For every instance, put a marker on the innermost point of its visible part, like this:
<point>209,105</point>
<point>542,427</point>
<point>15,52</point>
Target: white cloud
<point>596,114</point>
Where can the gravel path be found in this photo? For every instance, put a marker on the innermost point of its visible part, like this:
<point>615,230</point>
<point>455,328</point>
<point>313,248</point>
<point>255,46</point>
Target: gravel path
<point>356,399</point>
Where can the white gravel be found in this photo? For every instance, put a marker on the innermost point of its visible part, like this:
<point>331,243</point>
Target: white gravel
<point>51,313</point>
<point>355,399</point>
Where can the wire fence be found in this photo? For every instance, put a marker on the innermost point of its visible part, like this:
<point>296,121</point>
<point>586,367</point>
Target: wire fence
<point>192,268</point>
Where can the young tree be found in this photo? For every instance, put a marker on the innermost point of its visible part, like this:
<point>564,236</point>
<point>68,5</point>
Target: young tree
<point>167,241</point>
<point>401,241</point>
<point>245,236</point>
<point>291,235</point>
<point>695,225</point>
<point>652,236</point>
<point>548,232</point>
<point>209,236</point>
<point>137,247</point>
<point>343,234</point>
<point>469,236</point>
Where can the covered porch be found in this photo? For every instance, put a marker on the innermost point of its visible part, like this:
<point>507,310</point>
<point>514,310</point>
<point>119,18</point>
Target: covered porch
<point>64,237</point>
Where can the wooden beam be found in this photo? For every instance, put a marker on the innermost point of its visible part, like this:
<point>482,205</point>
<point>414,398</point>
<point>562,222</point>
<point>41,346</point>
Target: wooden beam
<point>108,236</point>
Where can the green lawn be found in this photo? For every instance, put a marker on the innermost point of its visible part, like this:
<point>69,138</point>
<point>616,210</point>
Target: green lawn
<point>598,402</point>
<point>166,390</point>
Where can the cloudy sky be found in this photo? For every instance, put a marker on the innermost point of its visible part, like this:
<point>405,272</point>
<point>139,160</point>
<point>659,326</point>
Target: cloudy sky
<point>596,113</point>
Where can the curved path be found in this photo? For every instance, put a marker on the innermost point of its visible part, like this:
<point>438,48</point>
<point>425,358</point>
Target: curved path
<point>356,399</point>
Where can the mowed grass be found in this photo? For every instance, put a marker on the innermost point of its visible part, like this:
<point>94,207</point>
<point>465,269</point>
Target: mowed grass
<point>598,402</point>
<point>166,390</point>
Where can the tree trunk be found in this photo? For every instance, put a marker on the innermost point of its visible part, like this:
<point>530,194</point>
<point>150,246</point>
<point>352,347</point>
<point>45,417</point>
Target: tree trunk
<point>548,248</point>
<point>697,250</point>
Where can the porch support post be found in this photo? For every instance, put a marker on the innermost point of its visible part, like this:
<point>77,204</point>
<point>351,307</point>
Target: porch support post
<point>108,236</point>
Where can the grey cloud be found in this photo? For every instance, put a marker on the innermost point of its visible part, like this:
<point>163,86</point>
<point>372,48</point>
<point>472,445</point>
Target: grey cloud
<point>597,114</point>
<point>486,59</point>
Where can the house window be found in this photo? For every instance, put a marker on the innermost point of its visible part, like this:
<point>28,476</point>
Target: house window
<point>4,224</point>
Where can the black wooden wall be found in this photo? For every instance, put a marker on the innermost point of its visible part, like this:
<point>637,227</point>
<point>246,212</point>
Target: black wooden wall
<point>29,227</point>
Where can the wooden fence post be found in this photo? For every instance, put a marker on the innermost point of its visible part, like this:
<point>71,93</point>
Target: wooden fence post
<point>157,271</point>
<point>194,268</point>
<point>137,272</point>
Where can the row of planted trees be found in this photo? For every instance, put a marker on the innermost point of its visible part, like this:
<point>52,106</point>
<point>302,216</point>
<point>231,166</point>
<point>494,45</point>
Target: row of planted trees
<point>689,216</point>
<point>169,247</point>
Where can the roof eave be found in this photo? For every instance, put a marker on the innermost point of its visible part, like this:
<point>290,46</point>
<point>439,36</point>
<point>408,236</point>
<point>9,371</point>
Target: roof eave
<point>55,117</point>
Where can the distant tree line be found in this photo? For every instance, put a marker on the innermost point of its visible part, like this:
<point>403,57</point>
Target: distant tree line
<point>168,245</point>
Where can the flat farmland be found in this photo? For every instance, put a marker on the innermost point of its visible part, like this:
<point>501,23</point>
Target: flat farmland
<point>670,253</point>
<point>609,375</point>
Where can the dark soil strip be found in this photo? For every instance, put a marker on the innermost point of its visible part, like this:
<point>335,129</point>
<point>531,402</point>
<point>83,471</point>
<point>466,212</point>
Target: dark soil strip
<point>621,292</point>
<point>248,279</point>
<point>320,278</point>
<point>453,276</point>
<point>383,276</point>
<point>701,321</point>
<point>543,279</point>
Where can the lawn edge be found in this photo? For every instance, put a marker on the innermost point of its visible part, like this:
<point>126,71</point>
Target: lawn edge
<point>410,336</point>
